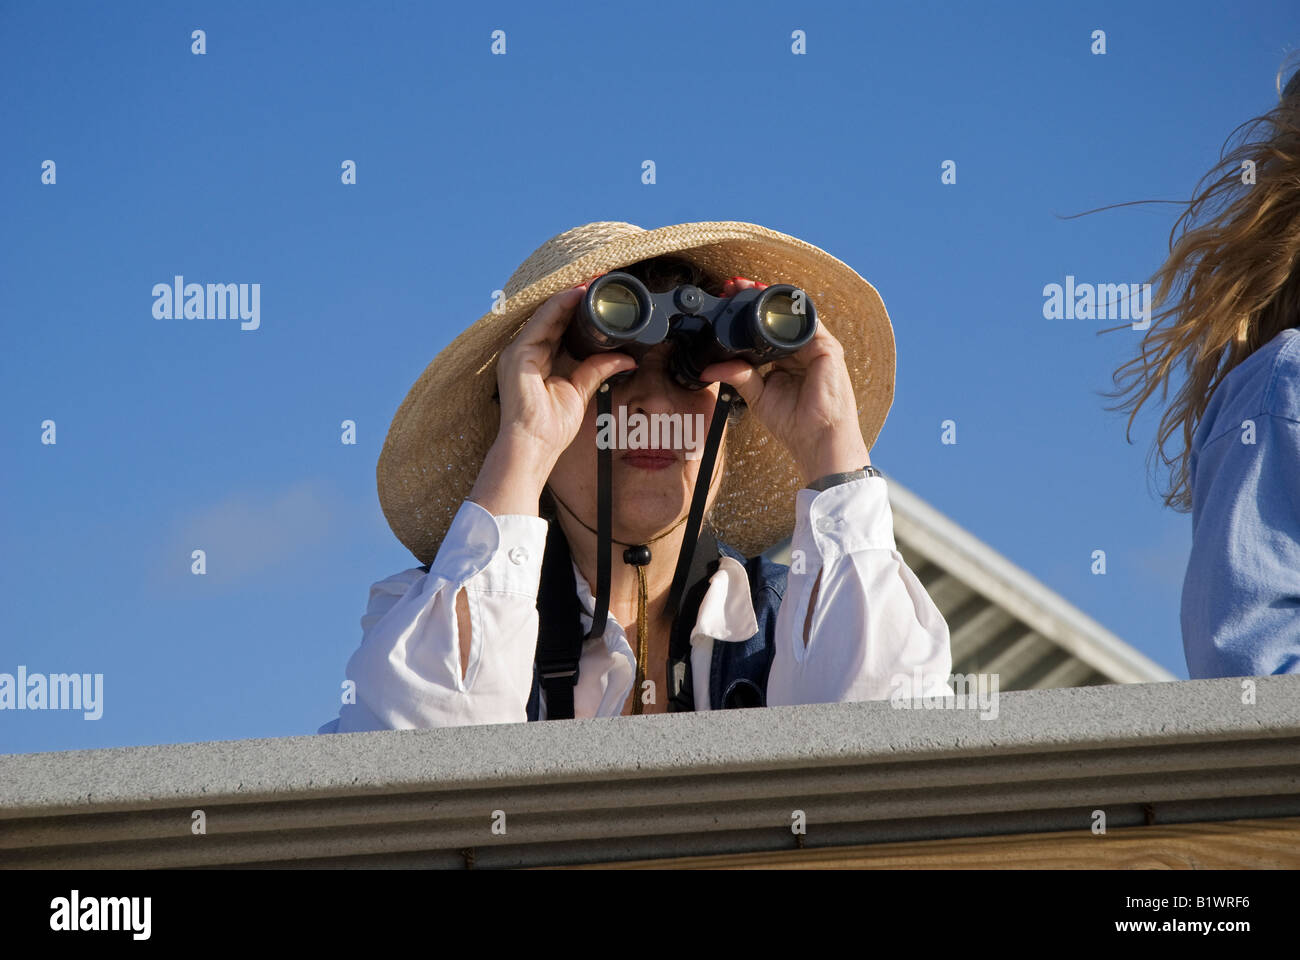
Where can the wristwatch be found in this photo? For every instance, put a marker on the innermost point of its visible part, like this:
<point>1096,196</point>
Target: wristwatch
<point>835,479</point>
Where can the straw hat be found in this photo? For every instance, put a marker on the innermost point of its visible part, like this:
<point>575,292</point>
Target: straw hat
<point>443,429</point>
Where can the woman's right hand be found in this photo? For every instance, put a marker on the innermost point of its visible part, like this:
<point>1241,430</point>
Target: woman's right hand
<point>544,399</point>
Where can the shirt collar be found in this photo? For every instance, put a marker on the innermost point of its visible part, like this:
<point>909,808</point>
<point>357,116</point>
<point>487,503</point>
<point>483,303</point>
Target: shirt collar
<point>726,611</point>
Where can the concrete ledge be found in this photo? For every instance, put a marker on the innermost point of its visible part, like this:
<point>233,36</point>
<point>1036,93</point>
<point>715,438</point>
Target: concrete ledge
<point>586,791</point>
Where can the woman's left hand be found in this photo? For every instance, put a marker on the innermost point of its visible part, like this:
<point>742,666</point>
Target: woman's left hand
<point>806,401</point>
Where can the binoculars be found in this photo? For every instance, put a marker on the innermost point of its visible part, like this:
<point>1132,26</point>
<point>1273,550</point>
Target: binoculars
<point>619,312</point>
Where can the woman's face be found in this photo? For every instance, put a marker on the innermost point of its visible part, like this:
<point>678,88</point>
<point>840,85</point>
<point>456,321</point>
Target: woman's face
<point>651,489</point>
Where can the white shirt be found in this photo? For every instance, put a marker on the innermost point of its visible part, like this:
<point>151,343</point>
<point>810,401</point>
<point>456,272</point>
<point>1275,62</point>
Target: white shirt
<point>872,627</point>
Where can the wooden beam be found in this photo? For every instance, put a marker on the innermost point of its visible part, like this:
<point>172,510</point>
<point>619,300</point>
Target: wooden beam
<point>1260,844</point>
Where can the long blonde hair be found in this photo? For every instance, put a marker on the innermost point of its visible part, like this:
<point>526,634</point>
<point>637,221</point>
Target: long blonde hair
<point>1231,282</point>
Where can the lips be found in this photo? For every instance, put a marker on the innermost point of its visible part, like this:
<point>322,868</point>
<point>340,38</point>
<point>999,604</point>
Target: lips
<point>650,458</point>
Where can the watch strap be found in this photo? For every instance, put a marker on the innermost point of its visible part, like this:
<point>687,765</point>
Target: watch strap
<point>835,479</point>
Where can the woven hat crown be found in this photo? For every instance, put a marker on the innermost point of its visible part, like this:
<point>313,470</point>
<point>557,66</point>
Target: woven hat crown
<point>566,248</point>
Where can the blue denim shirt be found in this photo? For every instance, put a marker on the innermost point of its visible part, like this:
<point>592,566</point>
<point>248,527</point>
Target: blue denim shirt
<point>1241,594</point>
<point>738,671</point>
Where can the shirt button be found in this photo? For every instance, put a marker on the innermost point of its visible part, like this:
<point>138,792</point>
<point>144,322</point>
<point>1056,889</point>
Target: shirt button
<point>826,524</point>
<point>517,555</point>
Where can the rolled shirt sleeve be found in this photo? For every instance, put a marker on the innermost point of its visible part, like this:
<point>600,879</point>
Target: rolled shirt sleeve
<point>873,625</point>
<point>407,671</point>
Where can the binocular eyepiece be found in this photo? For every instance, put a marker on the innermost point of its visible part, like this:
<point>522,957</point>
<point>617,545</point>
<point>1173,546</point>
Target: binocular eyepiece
<point>619,312</point>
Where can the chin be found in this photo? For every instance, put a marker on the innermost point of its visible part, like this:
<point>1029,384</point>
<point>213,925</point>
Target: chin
<point>645,519</point>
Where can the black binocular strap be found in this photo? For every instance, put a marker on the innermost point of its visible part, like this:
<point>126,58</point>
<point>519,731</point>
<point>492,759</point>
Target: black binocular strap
<point>604,517</point>
<point>681,693</point>
<point>559,635</point>
<point>559,626</point>
<point>726,396</point>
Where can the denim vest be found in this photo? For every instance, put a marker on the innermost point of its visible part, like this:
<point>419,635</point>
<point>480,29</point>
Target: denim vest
<point>738,671</point>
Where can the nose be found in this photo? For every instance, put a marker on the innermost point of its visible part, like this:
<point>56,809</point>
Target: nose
<point>651,387</point>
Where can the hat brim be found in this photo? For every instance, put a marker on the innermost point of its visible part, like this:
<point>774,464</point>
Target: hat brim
<point>448,420</point>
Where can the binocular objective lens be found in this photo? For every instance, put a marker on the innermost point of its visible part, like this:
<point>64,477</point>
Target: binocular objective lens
<point>779,319</point>
<point>617,307</point>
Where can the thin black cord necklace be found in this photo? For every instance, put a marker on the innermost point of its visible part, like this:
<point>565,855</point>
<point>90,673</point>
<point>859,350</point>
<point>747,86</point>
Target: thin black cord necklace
<point>637,555</point>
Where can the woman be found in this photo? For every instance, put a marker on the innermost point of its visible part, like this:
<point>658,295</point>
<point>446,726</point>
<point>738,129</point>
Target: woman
<point>491,497</point>
<point>1231,287</point>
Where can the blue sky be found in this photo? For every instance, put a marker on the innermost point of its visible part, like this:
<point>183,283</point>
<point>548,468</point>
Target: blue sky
<point>225,167</point>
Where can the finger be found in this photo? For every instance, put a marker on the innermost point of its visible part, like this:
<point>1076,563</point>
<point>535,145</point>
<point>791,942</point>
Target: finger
<point>538,342</point>
<point>823,343</point>
<point>823,335</point>
<point>740,374</point>
<point>596,369</point>
<point>549,322</point>
<point>723,370</point>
